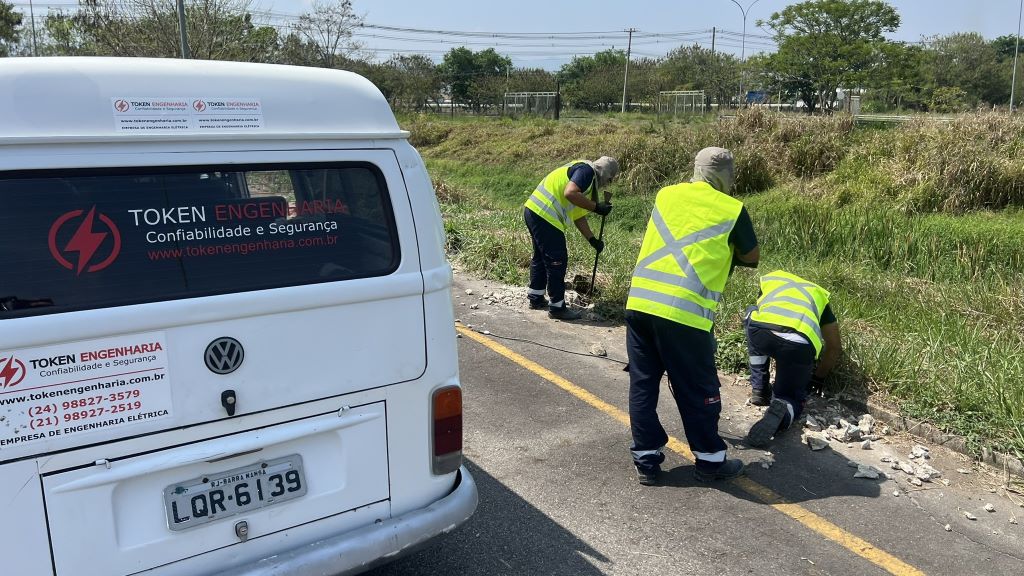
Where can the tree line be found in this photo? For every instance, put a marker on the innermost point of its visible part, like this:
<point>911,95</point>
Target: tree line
<point>824,48</point>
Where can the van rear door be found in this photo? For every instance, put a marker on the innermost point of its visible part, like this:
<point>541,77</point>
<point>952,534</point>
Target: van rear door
<point>186,321</point>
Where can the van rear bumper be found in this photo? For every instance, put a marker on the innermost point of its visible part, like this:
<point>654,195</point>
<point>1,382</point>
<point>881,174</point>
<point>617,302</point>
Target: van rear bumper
<point>364,548</point>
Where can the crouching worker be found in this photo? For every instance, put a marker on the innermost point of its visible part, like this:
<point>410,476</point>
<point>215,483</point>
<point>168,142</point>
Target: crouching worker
<point>794,325</point>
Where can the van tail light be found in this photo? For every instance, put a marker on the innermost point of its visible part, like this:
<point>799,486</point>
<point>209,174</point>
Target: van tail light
<point>447,429</point>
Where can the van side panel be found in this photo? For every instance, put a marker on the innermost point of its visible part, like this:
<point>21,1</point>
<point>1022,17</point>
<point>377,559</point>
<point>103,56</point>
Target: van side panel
<point>24,533</point>
<point>413,484</point>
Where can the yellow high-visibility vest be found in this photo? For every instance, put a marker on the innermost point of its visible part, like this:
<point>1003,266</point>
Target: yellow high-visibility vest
<point>789,300</point>
<point>549,202</point>
<point>685,257</point>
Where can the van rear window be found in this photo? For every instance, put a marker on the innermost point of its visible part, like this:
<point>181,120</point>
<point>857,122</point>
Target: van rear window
<point>94,239</point>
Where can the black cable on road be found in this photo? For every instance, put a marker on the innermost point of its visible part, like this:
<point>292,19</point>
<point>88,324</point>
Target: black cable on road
<point>535,343</point>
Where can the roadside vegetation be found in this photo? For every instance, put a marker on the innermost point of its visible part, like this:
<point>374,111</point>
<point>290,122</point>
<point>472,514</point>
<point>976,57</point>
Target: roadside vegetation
<point>917,231</point>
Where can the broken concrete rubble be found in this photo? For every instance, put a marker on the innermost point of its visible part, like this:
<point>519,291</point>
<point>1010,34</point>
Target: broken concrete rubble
<point>815,440</point>
<point>865,471</point>
<point>866,424</point>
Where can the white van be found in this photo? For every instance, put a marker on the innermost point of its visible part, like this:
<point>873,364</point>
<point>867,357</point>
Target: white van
<point>226,335</point>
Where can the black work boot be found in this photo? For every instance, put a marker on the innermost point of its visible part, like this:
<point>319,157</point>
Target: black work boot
<point>648,477</point>
<point>769,424</point>
<point>537,302</point>
<point>564,313</point>
<point>710,472</point>
<point>761,396</point>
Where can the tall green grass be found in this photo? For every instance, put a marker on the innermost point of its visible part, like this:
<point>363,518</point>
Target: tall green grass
<point>927,279</point>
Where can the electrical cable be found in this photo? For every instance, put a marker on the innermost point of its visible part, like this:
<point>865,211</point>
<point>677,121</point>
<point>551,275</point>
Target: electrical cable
<point>535,343</point>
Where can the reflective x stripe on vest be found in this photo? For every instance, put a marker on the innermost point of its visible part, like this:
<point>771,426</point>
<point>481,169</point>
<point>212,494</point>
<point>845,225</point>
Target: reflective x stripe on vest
<point>782,293</point>
<point>548,199</point>
<point>552,207</point>
<point>681,295</point>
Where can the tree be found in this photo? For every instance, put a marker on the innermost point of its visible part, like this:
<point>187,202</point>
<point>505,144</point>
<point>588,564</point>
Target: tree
<point>325,33</point>
<point>697,68</point>
<point>967,61</point>
<point>10,28</point>
<point>217,30</point>
<point>473,77</point>
<point>415,81</point>
<point>594,82</point>
<point>824,45</point>
<point>903,78</point>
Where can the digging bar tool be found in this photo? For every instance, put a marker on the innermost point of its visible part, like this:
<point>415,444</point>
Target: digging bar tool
<point>600,236</point>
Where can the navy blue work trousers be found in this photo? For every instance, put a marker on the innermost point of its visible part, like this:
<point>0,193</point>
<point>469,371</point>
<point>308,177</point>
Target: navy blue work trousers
<point>794,364</point>
<point>656,346</point>
<point>550,256</point>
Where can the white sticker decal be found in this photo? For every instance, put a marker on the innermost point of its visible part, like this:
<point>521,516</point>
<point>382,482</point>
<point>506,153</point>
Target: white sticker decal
<point>195,114</point>
<point>151,114</point>
<point>71,389</point>
<point>227,114</point>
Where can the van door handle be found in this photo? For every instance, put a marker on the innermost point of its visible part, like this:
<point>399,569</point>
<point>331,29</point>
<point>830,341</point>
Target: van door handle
<point>228,401</point>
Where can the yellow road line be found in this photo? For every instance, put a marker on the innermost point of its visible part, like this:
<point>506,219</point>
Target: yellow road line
<point>858,546</point>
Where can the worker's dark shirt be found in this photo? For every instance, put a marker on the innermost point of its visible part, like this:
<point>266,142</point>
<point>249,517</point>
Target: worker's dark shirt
<point>582,175</point>
<point>742,236</point>
<point>827,317</point>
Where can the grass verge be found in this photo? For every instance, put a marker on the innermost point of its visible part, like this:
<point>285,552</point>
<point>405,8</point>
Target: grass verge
<point>926,284</point>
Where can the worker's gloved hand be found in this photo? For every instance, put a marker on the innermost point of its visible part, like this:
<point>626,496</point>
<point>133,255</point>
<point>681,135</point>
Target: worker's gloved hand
<point>817,385</point>
<point>603,208</point>
<point>597,244</point>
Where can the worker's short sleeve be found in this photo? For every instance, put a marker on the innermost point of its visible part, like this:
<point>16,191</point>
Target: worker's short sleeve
<point>742,236</point>
<point>827,317</point>
<point>582,175</point>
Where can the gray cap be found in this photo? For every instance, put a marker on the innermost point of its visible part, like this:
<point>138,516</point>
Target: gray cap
<point>715,166</point>
<point>606,168</point>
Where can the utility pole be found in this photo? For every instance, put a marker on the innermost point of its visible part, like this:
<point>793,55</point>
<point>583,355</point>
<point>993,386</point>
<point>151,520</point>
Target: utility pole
<point>32,15</point>
<point>181,30</point>
<point>625,79</point>
<point>714,31</point>
<point>1016,50</point>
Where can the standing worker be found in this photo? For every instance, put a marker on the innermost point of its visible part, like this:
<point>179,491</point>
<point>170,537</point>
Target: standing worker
<point>695,234</point>
<point>561,198</point>
<point>794,324</point>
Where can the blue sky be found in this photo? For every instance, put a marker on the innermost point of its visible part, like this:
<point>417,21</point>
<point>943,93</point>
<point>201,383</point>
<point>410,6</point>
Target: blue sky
<point>692,19</point>
<point>919,18</point>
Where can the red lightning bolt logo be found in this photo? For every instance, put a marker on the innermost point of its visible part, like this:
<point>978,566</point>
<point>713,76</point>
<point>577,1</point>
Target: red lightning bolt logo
<point>85,241</point>
<point>9,372</point>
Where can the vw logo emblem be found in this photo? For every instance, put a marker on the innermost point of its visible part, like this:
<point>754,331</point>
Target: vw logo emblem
<point>224,355</point>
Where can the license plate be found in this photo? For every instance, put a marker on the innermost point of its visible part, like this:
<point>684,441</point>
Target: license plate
<point>208,498</point>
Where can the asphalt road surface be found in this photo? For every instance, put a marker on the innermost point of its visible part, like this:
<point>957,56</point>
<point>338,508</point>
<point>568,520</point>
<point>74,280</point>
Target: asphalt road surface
<point>547,442</point>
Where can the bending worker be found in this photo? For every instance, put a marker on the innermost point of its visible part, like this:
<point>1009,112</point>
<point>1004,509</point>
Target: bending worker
<point>695,234</point>
<point>794,324</point>
<point>561,198</point>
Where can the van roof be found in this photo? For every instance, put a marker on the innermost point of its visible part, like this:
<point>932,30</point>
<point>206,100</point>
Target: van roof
<point>116,99</point>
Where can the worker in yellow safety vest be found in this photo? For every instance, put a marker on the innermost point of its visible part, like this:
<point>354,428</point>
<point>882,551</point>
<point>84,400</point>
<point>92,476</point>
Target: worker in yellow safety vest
<point>564,196</point>
<point>696,234</point>
<point>793,324</point>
